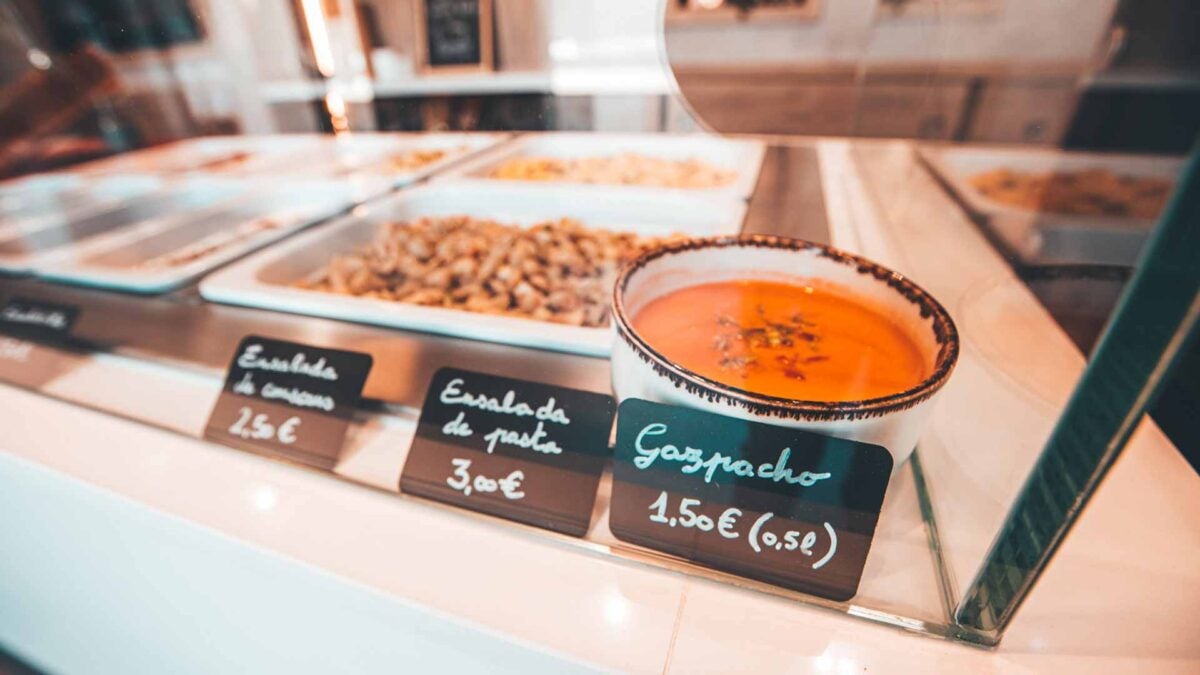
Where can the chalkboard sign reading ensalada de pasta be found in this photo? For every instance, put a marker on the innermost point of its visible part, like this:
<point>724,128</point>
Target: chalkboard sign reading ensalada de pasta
<point>525,451</point>
<point>289,400</point>
<point>780,505</point>
<point>454,35</point>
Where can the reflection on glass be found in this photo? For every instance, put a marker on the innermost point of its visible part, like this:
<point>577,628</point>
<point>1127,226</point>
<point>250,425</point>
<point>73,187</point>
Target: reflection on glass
<point>1006,173</point>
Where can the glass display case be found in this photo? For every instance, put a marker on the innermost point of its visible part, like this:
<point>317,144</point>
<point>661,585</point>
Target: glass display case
<point>850,303</point>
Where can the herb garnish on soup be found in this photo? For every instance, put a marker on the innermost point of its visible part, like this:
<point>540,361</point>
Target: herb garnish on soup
<point>785,340</point>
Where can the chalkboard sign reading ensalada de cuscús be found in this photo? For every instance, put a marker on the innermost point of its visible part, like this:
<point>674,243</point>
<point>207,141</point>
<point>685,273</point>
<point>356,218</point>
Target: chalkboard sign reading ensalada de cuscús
<point>289,400</point>
<point>454,35</point>
<point>525,451</point>
<point>780,505</point>
<point>38,319</point>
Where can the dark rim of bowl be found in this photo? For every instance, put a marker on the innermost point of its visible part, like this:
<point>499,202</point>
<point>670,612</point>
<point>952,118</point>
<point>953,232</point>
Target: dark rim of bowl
<point>943,327</point>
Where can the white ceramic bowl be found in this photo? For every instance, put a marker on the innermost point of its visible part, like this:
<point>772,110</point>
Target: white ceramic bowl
<point>893,421</point>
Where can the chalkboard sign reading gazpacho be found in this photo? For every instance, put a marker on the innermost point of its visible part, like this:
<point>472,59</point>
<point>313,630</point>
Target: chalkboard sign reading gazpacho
<point>781,505</point>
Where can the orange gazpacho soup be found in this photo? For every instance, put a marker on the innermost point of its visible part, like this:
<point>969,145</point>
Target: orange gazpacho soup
<point>785,340</point>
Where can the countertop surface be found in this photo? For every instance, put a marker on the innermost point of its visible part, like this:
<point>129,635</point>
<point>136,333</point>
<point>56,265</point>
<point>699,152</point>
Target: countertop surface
<point>129,547</point>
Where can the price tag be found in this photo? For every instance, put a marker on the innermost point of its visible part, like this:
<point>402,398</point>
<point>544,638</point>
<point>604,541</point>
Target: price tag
<point>521,450</point>
<point>38,319</point>
<point>780,505</point>
<point>289,400</point>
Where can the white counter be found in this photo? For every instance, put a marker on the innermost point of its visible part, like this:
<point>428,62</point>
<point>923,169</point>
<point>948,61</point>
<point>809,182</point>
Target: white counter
<point>129,549</point>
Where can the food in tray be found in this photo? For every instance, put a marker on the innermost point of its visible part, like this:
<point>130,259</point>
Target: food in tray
<point>413,160</point>
<point>1095,192</point>
<point>212,244</point>
<point>624,169</point>
<point>400,162</point>
<point>558,271</point>
<point>228,162</point>
<point>793,341</point>
<point>164,160</point>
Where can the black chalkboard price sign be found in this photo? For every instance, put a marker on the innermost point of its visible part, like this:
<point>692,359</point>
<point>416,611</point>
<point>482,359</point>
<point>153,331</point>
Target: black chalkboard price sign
<point>454,35</point>
<point>525,451</point>
<point>38,319</point>
<point>289,400</point>
<point>779,505</point>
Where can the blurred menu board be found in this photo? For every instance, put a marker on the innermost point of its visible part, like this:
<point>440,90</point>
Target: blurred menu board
<point>454,35</point>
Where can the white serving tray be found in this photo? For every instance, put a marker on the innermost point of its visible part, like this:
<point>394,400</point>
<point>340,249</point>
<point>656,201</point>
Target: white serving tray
<point>264,279</point>
<point>23,249</point>
<point>50,199</point>
<point>740,155</point>
<point>115,262</point>
<point>362,157</point>
<point>365,156</point>
<point>191,156</point>
<point>1039,237</point>
<point>15,191</point>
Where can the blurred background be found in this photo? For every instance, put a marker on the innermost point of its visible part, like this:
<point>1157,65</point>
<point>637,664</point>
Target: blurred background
<point>82,78</point>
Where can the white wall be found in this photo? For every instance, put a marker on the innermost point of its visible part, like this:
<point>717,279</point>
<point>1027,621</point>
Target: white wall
<point>849,30</point>
<point>614,32</point>
<point>270,50</point>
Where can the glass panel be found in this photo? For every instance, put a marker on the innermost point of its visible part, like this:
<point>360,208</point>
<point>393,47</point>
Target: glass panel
<point>959,185</point>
